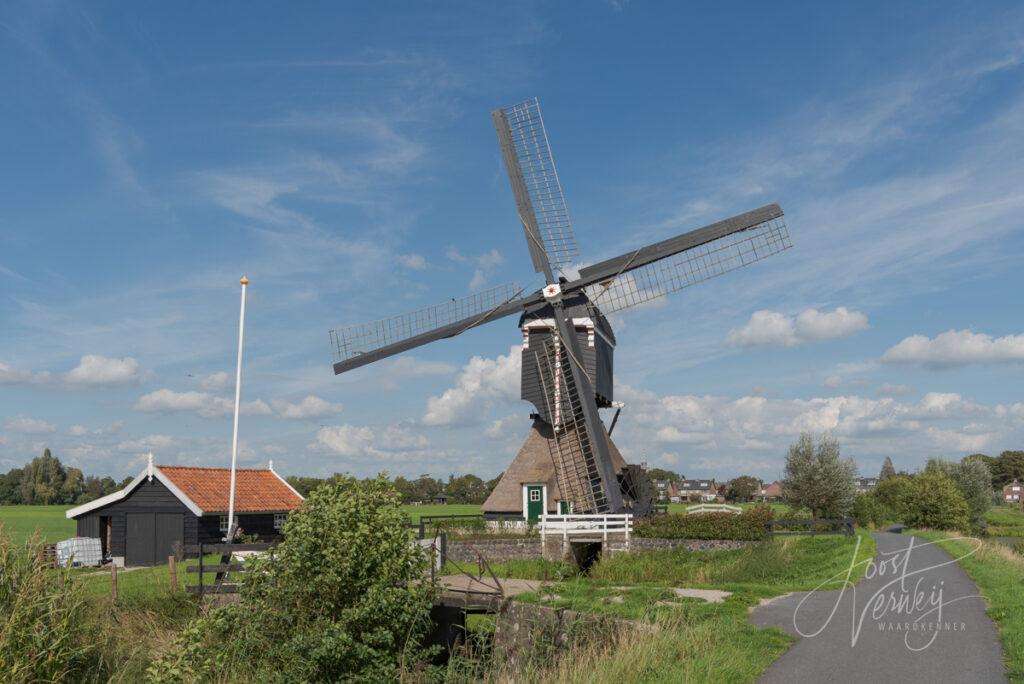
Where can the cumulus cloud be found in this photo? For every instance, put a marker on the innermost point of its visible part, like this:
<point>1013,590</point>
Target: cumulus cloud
<point>480,383</point>
<point>200,403</point>
<point>772,328</point>
<point>893,390</point>
<point>147,444</point>
<point>12,376</point>
<point>956,348</point>
<point>485,264</point>
<point>29,426</point>
<point>215,381</point>
<point>311,407</point>
<point>94,370</point>
<point>360,441</point>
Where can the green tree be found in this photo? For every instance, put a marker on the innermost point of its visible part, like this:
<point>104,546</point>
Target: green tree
<point>663,474</point>
<point>973,479</point>
<point>894,493</point>
<point>887,470</point>
<point>345,598</point>
<point>742,488</point>
<point>466,489</point>
<point>42,479</point>
<point>10,487</point>
<point>72,487</point>
<point>935,502</point>
<point>1010,466</point>
<point>818,479</point>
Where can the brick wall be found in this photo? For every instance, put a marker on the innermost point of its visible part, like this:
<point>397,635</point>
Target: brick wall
<point>494,550</point>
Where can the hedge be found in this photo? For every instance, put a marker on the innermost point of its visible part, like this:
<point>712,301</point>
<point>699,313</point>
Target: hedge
<point>749,525</point>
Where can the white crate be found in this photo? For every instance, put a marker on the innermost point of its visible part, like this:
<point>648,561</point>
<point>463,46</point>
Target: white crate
<point>80,551</point>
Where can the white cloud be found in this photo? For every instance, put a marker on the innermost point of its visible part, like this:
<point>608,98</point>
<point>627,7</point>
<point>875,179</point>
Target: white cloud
<point>94,370</point>
<point>309,408</point>
<point>215,381</point>
<point>774,328</point>
<point>506,427</point>
<point>956,348</point>
<point>360,441</point>
<point>29,426</point>
<point>485,264</point>
<point>12,376</point>
<point>481,383</point>
<point>79,430</point>
<point>201,403</point>
<point>414,261</point>
<point>147,444</point>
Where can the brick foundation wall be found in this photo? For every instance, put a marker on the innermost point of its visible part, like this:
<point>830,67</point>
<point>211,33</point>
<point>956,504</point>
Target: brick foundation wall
<point>494,550</point>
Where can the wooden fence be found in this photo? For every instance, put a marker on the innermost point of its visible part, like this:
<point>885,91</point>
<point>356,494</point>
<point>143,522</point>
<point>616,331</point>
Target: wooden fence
<point>221,569</point>
<point>713,508</point>
<point>811,526</point>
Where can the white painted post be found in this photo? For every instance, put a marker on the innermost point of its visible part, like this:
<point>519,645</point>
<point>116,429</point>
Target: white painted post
<point>604,524</point>
<point>238,398</point>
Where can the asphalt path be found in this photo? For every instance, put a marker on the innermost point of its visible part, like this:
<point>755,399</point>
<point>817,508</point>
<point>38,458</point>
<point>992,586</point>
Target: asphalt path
<point>915,617</point>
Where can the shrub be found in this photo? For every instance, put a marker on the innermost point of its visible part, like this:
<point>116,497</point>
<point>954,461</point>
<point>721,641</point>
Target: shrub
<point>868,511</point>
<point>345,597</point>
<point>974,480</point>
<point>935,502</point>
<point>818,479</point>
<point>45,631</point>
<point>751,524</point>
<point>894,493</point>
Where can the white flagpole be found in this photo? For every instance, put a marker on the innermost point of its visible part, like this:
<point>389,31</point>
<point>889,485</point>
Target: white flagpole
<point>234,433</point>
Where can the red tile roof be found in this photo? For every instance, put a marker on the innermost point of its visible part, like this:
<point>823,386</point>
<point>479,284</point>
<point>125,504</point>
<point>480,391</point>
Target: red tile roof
<point>255,490</point>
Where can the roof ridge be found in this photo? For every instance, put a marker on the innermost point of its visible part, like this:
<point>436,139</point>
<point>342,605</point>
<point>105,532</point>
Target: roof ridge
<point>254,470</point>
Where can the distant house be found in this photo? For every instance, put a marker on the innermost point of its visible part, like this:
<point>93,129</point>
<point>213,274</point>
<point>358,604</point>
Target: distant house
<point>866,484</point>
<point>666,491</point>
<point>697,490</point>
<point>441,499</point>
<point>1012,492</point>
<point>166,507</point>
<point>772,492</point>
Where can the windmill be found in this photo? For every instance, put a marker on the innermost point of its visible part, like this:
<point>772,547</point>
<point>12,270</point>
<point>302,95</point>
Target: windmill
<point>568,343</point>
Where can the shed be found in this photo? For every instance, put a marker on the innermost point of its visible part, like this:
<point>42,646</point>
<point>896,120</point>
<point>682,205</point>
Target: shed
<point>165,507</point>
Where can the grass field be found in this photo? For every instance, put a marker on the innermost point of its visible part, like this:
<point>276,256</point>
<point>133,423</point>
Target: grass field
<point>1005,521</point>
<point>21,522</point>
<point>696,641</point>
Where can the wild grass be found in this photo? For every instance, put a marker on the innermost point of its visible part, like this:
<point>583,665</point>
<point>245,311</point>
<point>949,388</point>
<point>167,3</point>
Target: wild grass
<point>999,574</point>
<point>1005,521</point>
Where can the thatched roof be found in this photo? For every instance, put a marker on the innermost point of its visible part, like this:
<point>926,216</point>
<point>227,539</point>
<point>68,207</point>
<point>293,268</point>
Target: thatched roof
<point>533,464</point>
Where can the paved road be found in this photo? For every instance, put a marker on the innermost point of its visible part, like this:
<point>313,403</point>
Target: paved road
<point>893,641</point>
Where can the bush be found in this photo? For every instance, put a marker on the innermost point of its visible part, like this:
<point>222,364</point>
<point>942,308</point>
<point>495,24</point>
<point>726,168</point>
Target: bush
<point>868,511</point>
<point>974,480</point>
<point>935,502</point>
<point>894,493</point>
<point>345,597</point>
<point>751,524</point>
<point>45,630</point>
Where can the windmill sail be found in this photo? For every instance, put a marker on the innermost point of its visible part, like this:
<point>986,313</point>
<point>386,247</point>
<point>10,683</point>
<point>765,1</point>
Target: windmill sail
<point>358,345</point>
<point>535,184</point>
<point>575,460</point>
<point>657,270</point>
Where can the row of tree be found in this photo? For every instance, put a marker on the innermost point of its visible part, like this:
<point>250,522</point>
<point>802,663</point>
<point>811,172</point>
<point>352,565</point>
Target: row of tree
<point>45,480</point>
<point>462,489</point>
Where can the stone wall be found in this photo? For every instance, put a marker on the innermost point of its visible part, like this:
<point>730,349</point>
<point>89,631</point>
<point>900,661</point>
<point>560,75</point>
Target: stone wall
<point>503,549</point>
<point>527,633</point>
<point>494,550</point>
<point>645,544</point>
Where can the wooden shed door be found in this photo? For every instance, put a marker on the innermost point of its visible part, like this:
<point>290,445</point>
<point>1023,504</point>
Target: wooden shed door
<point>534,502</point>
<point>139,537</point>
<point>170,530</point>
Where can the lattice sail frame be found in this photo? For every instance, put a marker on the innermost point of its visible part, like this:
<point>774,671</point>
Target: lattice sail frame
<point>576,468</point>
<point>533,152</point>
<point>354,340</point>
<point>692,266</point>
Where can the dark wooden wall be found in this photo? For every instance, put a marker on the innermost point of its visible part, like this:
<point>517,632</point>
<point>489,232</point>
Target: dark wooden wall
<point>261,524</point>
<point>149,497</point>
<point>597,360</point>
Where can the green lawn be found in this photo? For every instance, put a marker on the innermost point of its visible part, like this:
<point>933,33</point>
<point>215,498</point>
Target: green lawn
<point>999,573</point>
<point>1005,521</point>
<point>21,522</point>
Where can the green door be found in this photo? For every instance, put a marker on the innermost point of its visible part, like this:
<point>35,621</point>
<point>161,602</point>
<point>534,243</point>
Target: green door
<point>534,502</point>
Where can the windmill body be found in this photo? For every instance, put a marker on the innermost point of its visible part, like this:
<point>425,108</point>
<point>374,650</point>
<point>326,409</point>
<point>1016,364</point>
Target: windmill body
<point>568,462</point>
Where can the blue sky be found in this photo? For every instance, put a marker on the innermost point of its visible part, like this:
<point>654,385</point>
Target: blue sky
<point>344,159</point>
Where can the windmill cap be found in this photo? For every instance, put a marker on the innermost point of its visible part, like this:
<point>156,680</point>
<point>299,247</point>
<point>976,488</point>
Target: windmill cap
<point>244,281</point>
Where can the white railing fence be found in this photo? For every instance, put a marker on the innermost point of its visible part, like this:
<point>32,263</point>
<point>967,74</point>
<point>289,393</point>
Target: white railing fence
<point>714,508</point>
<point>567,526</point>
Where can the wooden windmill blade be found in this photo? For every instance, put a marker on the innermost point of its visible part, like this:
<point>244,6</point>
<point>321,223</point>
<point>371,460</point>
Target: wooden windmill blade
<point>671,265</point>
<point>540,200</point>
<point>364,343</point>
